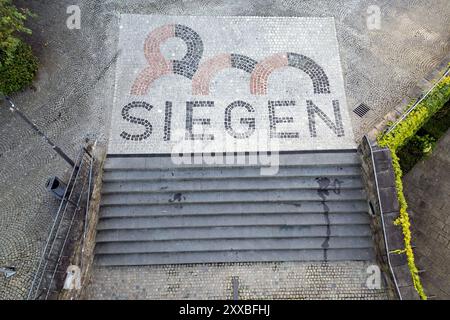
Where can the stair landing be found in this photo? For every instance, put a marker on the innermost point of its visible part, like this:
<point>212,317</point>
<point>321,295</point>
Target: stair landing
<point>342,280</point>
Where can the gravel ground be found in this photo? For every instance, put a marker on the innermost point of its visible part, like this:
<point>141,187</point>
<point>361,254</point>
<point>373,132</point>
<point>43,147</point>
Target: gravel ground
<point>72,95</point>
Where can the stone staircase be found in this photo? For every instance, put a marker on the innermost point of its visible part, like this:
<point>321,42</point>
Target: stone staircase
<point>155,212</point>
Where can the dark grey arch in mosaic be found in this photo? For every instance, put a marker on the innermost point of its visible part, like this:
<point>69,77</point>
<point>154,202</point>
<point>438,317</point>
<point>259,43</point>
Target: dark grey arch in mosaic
<point>242,62</point>
<point>312,69</point>
<point>188,66</point>
<point>138,121</point>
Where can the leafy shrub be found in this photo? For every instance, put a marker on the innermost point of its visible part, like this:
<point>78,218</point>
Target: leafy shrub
<point>406,129</point>
<point>417,148</point>
<point>18,65</point>
<point>396,139</point>
<point>19,72</point>
<point>423,142</point>
<point>438,125</point>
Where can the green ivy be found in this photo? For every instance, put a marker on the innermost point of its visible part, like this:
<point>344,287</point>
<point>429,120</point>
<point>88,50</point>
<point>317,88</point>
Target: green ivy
<point>438,125</point>
<point>407,128</point>
<point>398,137</point>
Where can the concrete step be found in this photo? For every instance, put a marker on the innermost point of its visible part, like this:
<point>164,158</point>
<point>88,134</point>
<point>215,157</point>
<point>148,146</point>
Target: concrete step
<point>230,196</point>
<point>157,210</point>
<point>232,244</point>
<point>233,232</point>
<point>233,257</point>
<point>352,170</point>
<point>291,159</point>
<point>244,219</point>
<point>269,183</point>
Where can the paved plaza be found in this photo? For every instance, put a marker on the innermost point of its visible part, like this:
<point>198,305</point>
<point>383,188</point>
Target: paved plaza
<point>73,93</point>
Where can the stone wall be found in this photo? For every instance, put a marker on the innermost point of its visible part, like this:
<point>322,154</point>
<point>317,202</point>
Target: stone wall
<point>375,222</point>
<point>83,252</point>
<point>385,209</point>
<point>427,190</point>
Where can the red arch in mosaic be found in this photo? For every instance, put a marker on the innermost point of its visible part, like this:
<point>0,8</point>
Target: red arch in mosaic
<point>262,71</point>
<point>206,72</point>
<point>158,65</point>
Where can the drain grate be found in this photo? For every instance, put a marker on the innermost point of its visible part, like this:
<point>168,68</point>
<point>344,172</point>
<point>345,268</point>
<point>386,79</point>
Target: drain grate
<point>361,110</point>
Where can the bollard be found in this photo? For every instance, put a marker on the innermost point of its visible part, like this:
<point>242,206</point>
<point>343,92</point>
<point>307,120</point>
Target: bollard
<point>56,187</point>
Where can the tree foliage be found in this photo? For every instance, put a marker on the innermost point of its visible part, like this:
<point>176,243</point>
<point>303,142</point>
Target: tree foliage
<point>18,65</point>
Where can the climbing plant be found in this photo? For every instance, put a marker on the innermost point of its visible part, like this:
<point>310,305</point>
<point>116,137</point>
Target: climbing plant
<point>398,137</point>
<point>18,65</point>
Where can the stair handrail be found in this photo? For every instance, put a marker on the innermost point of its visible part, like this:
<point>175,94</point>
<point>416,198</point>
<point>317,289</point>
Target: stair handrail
<point>39,272</point>
<point>386,245</point>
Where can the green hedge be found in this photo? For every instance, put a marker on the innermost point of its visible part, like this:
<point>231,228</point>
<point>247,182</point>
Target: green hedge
<point>18,73</point>
<point>423,142</point>
<point>18,65</point>
<point>397,138</point>
<point>417,149</point>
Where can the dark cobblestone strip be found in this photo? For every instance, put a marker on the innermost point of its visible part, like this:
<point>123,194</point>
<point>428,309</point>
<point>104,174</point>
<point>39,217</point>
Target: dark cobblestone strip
<point>314,71</point>
<point>242,62</point>
<point>189,64</point>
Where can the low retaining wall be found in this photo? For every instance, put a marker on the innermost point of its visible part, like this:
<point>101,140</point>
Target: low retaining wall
<point>379,181</point>
<point>83,253</point>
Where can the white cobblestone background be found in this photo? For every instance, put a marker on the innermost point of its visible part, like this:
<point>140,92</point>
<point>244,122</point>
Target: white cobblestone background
<point>255,37</point>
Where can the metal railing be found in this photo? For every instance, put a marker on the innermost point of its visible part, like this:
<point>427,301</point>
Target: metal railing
<point>52,264</point>
<point>417,102</point>
<point>386,244</point>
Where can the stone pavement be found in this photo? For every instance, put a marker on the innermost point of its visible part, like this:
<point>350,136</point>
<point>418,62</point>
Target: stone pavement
<point>72,95</point>
<point>281,280</point>
<point>227,84</point>
<point>427,189</point>
<point>67,104</point>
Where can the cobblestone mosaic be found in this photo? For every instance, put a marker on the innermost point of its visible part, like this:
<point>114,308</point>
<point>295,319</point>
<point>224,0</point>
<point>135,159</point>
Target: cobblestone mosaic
<point>126,116</point>
<point>255,80</point>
